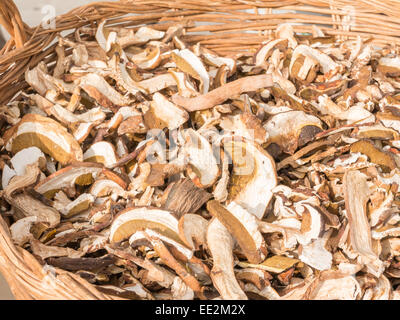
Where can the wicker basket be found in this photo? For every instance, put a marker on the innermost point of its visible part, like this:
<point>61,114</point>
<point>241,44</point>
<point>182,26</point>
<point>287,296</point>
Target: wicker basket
<point>225,26</point>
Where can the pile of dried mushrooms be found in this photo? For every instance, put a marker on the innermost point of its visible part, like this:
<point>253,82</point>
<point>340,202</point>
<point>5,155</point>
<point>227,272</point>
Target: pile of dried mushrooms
<point>158,170</point>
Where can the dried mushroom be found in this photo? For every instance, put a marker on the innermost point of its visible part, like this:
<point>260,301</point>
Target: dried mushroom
<point>158,169</point>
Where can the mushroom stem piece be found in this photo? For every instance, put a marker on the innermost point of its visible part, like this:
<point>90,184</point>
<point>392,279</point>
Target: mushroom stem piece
<point>223,93</point>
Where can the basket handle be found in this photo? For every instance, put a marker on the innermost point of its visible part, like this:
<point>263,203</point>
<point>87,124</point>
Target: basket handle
<point>11,20</point>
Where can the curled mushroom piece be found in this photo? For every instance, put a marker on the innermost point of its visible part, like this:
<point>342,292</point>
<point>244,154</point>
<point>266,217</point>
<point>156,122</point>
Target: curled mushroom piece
<point>164,114</point>
<point>220,244</point>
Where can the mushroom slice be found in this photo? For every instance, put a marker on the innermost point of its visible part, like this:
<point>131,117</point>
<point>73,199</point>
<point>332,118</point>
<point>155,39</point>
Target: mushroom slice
<point>203,168</point>
<point>243,227</point>
<point>224,92</point>
<point>20,230</point>
<point>384,159</point>
<point>356,194</point>
<point>377,131</point>
<point>181,291</point>
<point>150,61</point>
<point>316,256</point>
<point>220,244</point>
<point>253,177</point>
<point>82,203</point>
<point>245,125</point>
<point>7,175</point>
<point>80,173</point>
<point>259,278</point>
<point>389,66</point>
<point>27,156</point>
<point>164,114</point>
<point>95,115</point>
<point>192,230</point>
<point>105,187</point>
<point>105,41</point>
<point>184,196</point>
<point>101,152</point>
<point>46,134</point>
<point>149,234</point>
<point>30,206</point>
<point>308,57</point>
<point>266,50</point>
<point>188,62</point>
<point>337,288</point>
<point>218,62</point>
<point>185,88</point>
<point>381,291</point>
<point>82,131</point>
<point>389,120</point>
<point>145,34</point>
<point>278,264</point>
<point>157,83</point>
<point>138,219</point>
<point>45,252</point>
<point>313,91</point>
<point>99,89</point>
<point>292,129</point>
<point>312,224</point>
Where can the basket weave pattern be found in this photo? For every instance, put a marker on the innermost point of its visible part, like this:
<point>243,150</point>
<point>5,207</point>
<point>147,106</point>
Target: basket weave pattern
<point>225,26</point>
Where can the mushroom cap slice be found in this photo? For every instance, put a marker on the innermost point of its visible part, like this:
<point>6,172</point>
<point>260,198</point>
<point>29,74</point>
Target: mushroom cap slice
<point>138,219</point>
<point>188,62</point>
<point>389,66</point>
<point>149,233</point>
<point>105,187</point>
<point>82,203</point>
<point>101,152</point>
<point>99,89</point>
<point>193,227</point>
<point>243,227</point>
<point>253,177</point>
<point>329,67</point>
<point>246,125</point>
<point>25,157</point>
<point>203,168</point>
<point>164,114</point>
<point>384,159</point>
<point>46,134</point>
<point>292,129</point>
<point>220,244</point>
<point>81,173</point>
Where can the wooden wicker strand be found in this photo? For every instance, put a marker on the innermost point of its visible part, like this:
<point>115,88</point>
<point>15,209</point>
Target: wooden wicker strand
<point>241,26</point>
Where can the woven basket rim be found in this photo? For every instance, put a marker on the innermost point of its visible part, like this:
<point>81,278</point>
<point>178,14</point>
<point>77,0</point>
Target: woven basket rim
<point>28,46</point>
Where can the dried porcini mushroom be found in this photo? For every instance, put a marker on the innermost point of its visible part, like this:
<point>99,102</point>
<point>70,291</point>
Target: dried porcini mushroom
<point>383,159</point>
<point>292,129</point>
<point>135,219</point>
<point>203,167</point>
<point>243,227</point>
<point>48,135</point>
<point>253,176</point>
<point>164,114</point>
<point>145,164</point>
<point>220,244</point>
